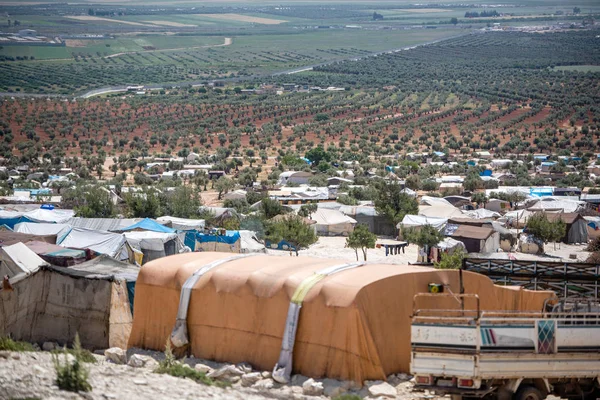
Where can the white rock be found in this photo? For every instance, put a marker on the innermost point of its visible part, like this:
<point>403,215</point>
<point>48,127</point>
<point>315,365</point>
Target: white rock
<point>312,388</point>
<point>381,389</point>
<point>137,361</point>
<point>116,355</point>
<point>404,377</point>
<point>333,388</point>
<point>266,374</point>
<point>251,378</point>
<point>298,379</point>
<point>39,370</point>
<point>244,367</point>
<point>225,373</point>
<point>140,382</point>
<point>264,384</point>
<point>203,368</point>
<point>49,346</point>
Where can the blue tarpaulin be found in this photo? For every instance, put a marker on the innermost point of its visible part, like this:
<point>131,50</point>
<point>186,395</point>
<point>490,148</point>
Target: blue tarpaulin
<point>230,237</point>
<point>487,172</point>
<point>148,224</point>
<point>471,163</point>
<point>539,192</point>
<point>11,222</point>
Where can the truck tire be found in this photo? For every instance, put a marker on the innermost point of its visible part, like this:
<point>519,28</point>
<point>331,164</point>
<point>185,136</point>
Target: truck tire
<point>529,393</point>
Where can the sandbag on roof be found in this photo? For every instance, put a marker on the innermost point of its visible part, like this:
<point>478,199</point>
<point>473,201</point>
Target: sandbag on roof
<point>353,325</point>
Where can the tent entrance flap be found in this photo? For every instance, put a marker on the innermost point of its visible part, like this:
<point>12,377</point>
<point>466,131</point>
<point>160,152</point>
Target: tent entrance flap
<point>179,335</point>
<point>283,369</point>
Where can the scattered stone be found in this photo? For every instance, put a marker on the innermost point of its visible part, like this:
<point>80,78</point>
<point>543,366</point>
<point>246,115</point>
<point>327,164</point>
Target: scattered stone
<point>203,368</point>
<point>5,354</point>
<point>312,388</point>
<point>380,389</point>
<point>244,367</point>
<point>333,388</point>
<point>49,346</point>
<point>137,361</point>
<point>140,382</point>
<point>298,379</point>
<point>251,378</point>
<point>264,384</point>
<point>116,355</point>
<point>266,374</point>
<point>15,356</point>
<point>39,370</point>
<point>225,373</point>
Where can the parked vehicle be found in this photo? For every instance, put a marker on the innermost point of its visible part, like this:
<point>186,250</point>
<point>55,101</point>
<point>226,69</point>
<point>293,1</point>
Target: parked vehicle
<point>521,355</point>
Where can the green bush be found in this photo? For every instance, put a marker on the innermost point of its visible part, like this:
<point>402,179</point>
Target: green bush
<point>451,261</point>
<point>171,366</point>
<point>594,245</point>
<point>8,344</point>
<point>72,376</point>
<point>347,396</point>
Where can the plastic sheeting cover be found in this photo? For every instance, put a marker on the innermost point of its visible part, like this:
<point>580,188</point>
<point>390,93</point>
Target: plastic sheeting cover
<point>101,242</point>
<point>18,259</point>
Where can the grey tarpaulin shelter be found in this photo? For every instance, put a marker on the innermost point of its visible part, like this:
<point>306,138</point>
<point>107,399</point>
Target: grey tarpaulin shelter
<point>55,303</point>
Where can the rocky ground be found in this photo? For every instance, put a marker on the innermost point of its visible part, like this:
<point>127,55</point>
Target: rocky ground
<point>31,375</point>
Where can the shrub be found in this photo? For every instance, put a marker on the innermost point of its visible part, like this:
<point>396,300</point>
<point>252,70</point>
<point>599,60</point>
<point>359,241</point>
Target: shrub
<point>7,344</point>
<point>171,366</point>
<point>594,258</point>
<point>451,261</point>
<point>72,376</point>
<point>347,396</point>
<point>594,245</point>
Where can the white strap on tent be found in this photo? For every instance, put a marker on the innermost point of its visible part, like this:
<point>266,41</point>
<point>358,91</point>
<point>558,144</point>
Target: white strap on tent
<point>179,335</point>
<point>283,369</point>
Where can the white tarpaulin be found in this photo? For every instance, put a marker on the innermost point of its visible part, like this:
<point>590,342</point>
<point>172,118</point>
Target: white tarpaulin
<point>155,244</point>
<point>182,224</point>
<point>332,222</point>
<point>449,243</point>
<point>434,201</point>
<point>111,244</point>
<point>54,216</point>
<point>413,221</point>
<point>42,229</point>
<point>250,244</point>
<point>149,240</point>
<point>440,211</point>
<point>565,206</point>
<point>18,259</point>
<point>517,218</point>
<point>102,224</point>
<point>481,213</point>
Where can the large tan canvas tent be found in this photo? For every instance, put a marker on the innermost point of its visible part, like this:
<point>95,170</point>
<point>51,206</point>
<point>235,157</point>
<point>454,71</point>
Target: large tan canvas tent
<point>55,303</point>
<point>354,320</point>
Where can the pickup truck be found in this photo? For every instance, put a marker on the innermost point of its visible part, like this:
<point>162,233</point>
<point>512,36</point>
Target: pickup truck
<point>521,355</point>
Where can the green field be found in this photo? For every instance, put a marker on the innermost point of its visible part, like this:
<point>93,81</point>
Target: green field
<point>578,68</point>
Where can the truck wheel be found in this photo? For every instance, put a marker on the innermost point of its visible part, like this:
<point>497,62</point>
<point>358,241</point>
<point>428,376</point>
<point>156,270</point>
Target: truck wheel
<point>529,393</point>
